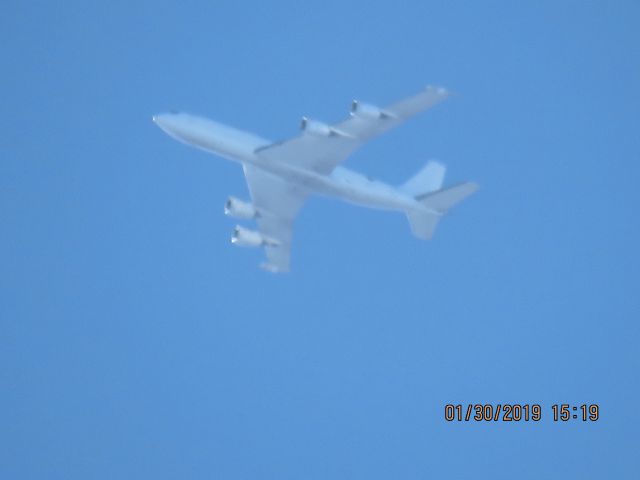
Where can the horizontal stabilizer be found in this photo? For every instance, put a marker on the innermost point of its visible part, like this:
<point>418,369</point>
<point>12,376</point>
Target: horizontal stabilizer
<point>442,200</point>
<point>423,223</point>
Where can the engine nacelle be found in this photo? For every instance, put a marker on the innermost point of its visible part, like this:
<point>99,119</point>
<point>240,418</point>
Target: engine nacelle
<point>315,127</point>
<point>321,129</point>
<point>239,209</point>
<point>243,237</point>
<point>366,110</point>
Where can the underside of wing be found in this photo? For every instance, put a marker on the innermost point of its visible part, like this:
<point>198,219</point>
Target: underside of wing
<point>277,203</point>
<point>321,147</point>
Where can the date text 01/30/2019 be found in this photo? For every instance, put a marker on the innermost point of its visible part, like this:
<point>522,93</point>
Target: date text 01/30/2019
<point>515,412</point>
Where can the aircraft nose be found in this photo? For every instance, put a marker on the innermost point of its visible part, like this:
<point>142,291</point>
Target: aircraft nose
<point>168,121</point>
<point>165,121</point>
<point>159,119</point>
<point>173,124</point>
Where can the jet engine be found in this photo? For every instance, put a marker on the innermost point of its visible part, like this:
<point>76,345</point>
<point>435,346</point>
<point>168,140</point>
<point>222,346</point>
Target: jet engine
<point>365,110</point>
<point>314,127</point>
<point>243,237</point>
<point>321,129</point>
<point>239,209</point>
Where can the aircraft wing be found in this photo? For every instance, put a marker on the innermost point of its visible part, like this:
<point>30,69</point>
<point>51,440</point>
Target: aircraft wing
<point>322,147</point>
<point>278,202</point>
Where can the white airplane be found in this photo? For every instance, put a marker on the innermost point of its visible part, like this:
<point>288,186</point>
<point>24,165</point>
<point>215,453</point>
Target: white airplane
<point>281,175</point>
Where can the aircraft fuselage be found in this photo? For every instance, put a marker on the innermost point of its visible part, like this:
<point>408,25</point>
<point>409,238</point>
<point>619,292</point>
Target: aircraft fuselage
<point>240,146</point>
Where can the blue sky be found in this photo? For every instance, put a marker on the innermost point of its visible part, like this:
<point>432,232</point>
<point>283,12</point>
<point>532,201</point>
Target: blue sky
<point>138,343</point>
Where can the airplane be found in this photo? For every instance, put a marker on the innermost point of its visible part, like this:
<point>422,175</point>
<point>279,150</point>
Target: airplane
<point>282,175</point>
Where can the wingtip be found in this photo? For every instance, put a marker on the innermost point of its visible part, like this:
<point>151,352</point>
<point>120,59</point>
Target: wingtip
<point>269,267</point>
<point>473,186</point>
<point>440,90</point>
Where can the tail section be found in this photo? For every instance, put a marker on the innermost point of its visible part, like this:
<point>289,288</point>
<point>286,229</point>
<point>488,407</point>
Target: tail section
<point>437,204</point>
<point>427,180</point>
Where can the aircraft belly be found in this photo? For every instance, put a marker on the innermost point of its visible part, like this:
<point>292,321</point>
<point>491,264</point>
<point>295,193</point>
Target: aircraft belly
<point>368,199</point>
<point>331,187</point>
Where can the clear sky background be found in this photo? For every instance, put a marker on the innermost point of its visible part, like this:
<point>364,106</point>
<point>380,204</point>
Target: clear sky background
<point>137,342</point>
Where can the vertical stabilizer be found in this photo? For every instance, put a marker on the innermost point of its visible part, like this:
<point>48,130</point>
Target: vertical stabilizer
<point>427,180</point>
